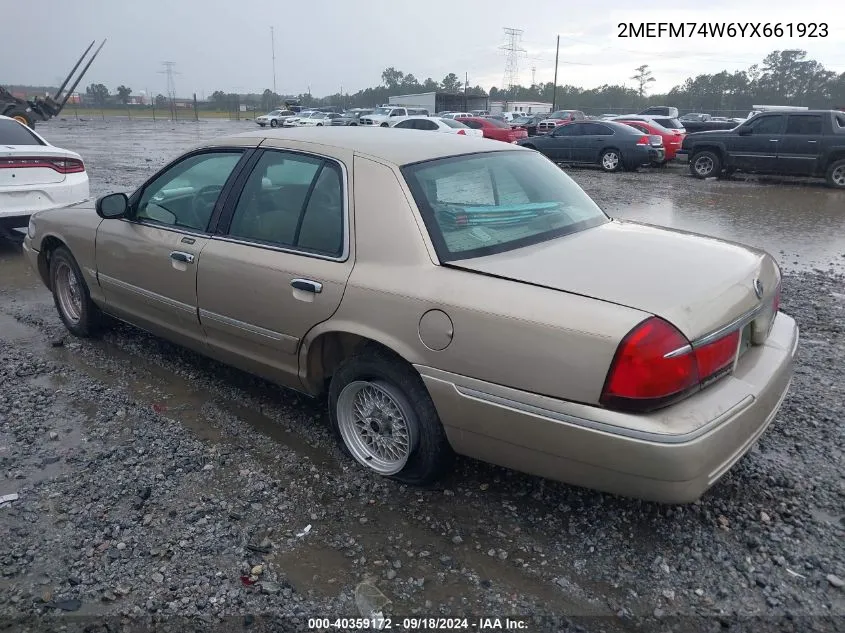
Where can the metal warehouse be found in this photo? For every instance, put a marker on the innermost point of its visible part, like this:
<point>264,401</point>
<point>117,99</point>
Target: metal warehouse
<point>441,101</point>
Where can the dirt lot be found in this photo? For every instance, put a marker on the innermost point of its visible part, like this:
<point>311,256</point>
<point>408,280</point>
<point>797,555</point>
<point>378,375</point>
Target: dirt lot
<point>151,479</point>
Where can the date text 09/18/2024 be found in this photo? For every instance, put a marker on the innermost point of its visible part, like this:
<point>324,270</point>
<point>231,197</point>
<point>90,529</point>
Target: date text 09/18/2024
<point>417,624</point>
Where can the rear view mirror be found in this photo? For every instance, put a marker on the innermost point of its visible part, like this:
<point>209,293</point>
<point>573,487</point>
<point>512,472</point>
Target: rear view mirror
<point>113,205</point>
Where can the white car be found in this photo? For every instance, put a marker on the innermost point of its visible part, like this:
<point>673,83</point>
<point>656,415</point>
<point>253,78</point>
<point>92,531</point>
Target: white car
<point>437,124</point>
<point>274,118</point>
<point>388,116</point>
<point>456,115</point>
<point>35,175</point>
<point>293,121</point>
<point>317,119</point>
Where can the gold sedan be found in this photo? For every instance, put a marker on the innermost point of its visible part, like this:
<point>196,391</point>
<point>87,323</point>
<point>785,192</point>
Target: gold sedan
<point>448,295</point>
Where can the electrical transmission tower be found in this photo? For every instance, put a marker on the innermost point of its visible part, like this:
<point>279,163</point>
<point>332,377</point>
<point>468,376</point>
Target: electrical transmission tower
<point>171,85</point>
<point>513,47</point>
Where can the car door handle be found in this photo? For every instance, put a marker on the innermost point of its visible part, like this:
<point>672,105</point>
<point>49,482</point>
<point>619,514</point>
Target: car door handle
<point>179,256</point>
<point>307,285</point>
<point>773,140</point>
<point>812,141</point>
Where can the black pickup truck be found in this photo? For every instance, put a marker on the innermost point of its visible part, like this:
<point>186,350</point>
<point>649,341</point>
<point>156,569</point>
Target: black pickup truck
<point>806,143</point>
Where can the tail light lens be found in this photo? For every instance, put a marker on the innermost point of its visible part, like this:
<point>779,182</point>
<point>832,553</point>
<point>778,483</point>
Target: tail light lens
<point>643,140</point>
<point>462,132</point>
<point>61,165</point>
<point>656,365</point>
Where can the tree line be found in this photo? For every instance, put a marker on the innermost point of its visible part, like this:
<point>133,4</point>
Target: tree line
<point>785,77</point>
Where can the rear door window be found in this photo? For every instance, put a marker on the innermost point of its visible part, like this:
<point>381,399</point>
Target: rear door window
<point>804,124</point>
<point>13,133</point>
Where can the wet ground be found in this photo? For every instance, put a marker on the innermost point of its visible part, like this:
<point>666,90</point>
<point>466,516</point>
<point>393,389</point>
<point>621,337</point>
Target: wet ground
<point>151,479</point>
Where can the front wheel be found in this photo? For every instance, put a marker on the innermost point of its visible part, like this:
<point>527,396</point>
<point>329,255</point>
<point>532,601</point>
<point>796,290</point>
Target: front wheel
<point>80,315</point>
<point>611,160</point>
<point>273,123</point>
<point>836,174</point>
<point>384,125</point>
<point>383,416</point>
<point>705,165</point>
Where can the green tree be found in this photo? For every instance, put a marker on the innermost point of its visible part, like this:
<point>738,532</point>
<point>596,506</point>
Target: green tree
<point>98,93</point>
<point>219,99</point>
<point>643,77</point>
<point>123,94</point>
<point>392,78</point>
<point>451,83</point>
<point>160,100</point>
<point>429,85</point>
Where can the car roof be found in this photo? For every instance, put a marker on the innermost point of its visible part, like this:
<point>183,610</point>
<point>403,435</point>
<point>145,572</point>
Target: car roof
<point>385,144</point>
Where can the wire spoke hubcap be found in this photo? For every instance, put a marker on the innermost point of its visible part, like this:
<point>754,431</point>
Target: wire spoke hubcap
<point>69,293</point>
<point>376,425</point>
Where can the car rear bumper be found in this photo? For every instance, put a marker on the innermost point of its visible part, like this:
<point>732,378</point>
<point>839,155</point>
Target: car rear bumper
<point>16,206</point>
<point>597,448</point>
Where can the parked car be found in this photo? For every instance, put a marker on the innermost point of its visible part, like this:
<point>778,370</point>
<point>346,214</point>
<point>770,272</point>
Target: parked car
<point>529,123</point>
<point>559,117</point>
<point>388,116</point>
<point>437,124</point>
<point>35,175</point>
<point>318,119</point>
<point>661,111</point>
<point>608,144</point>
<point>293,121</point>
<point>480,112</point>
<point>456,115</point>
<point>806,143</point>
<point>669,123</point>
<point>507,318</point>
<point>672,140</point>
<point>274,118</point>
<point>497,130</point>
<point>351,117</point>
<point>696,117</point>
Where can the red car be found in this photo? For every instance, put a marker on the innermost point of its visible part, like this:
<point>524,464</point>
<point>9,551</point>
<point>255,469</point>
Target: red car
<point>671,140</point>
<point>495,129</point>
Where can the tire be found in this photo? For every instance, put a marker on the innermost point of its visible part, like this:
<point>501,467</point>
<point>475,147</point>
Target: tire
<point>21,116</point>
<point>423,453</point>
<point>835,175</point>
<point>274,123</point>
<point>354,124</point>
<point>705,164</point>
<point>319,125</point>
<point>384,125</point>
<point>611,160</point>
<point>79,314</point>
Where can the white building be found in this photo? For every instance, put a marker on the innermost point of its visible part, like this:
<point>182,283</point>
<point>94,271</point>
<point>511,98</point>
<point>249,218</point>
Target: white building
<point>526,107</point>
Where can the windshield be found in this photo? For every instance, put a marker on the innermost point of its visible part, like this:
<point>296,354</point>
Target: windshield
<point>497,123</point>
<point>481,204</point>
<point>384,111</point>
<point>275,113</point>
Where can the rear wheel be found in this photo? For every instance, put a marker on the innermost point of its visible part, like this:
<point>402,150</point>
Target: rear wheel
<point>705,165</point>
<point>384,125</point>
<point>70,294</point>
<point>836,174</point>
<point>21,116</point>
<point>274,123</point>
<point>383,416</point>
<point>611,160</point>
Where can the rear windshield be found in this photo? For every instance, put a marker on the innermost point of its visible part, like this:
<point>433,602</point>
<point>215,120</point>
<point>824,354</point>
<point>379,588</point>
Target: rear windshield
<point>14,133</point>
<point>672,124</point>
<point>482,204</point>
<point>452,123</point>
<point>498,123</point>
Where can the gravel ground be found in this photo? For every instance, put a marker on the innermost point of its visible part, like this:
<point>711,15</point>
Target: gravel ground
<point>160,489</point>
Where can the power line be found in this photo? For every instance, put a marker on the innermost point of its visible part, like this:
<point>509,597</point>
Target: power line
<point>513,47</point>
<point>273,47</point>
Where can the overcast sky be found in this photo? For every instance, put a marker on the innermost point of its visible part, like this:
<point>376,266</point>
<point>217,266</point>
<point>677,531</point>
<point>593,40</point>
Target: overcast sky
<point>223,44</point>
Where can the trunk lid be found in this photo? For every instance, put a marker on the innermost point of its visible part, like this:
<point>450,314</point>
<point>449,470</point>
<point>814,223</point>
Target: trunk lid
<point>16,165</point>
<point>697,283</point>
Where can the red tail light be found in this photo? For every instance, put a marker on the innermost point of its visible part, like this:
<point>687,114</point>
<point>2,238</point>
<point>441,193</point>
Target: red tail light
<point>61,165</point>
<point>643,140</point>
<point>656,365</point>
<point>462,132</point>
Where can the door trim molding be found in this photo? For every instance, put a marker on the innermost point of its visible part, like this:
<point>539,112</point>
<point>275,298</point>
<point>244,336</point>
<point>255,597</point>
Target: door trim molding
<point>247,327</point>
<point>147,294</point>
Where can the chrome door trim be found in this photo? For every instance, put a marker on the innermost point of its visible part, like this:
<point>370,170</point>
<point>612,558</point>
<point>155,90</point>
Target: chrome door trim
<point>246,327</point>
<point>147,294</point>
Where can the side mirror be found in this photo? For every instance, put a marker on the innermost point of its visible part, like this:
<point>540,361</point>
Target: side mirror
<point>113,205</point>
<point>745,131</point>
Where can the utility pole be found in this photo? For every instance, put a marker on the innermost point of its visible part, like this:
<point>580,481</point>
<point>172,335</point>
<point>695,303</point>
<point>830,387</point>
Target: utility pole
<point>273,48</point>
<point>554,94</point>
<point>533,76</point>
<point>466,85</point>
